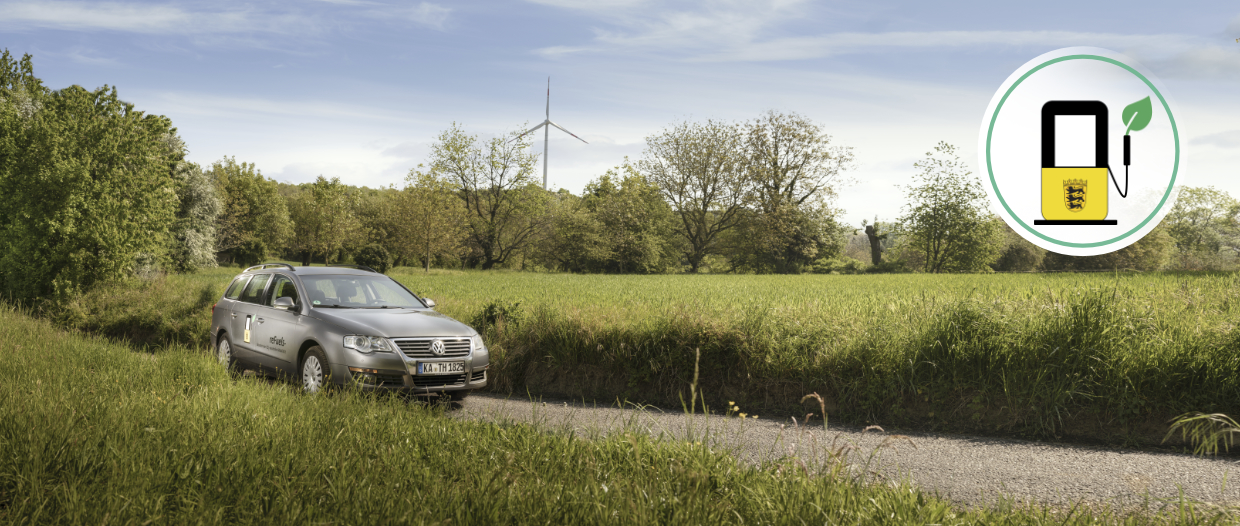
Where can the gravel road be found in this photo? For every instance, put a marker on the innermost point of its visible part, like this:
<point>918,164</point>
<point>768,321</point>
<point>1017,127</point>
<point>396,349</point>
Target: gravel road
<point>967,470</point>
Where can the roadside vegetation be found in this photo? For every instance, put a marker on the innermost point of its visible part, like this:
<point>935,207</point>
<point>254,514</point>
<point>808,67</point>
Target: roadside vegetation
<point>1095,357</point>
<point>93,432</point>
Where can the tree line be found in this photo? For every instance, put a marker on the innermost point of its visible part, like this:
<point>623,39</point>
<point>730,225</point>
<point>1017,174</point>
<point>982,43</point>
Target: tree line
<point>92,189</point>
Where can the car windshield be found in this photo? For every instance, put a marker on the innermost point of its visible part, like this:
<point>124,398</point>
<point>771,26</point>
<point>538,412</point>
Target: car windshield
<point>348,291</point>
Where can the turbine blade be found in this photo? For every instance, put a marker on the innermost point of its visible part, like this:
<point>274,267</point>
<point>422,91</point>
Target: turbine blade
<point>566,131</point>
<point>529,131</point>
<point>548,99</point>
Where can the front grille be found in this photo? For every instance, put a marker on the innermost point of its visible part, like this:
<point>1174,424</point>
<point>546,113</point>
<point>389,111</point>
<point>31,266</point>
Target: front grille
<point>421,347</point>
<point>478,376</point>
<point>438,380</point>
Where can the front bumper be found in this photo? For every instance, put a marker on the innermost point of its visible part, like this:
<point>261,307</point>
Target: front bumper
<point>395,371</point>
<point>395,380</point>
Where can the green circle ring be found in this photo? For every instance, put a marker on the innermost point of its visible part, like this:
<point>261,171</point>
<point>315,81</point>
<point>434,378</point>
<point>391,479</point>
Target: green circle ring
<point>1174,133</point>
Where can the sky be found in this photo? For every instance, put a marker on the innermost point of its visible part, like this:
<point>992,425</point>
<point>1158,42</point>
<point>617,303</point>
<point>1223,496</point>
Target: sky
<point>360,89</point>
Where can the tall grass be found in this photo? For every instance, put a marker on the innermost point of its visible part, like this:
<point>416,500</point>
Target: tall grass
<point>1095,356</point>
<point>92,432</point>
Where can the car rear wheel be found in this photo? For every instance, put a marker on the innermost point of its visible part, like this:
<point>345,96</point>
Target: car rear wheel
<point>224,355</point>
<point>315,371</point>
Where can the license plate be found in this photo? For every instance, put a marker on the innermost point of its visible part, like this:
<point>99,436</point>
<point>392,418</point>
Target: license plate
<point>441,367</point>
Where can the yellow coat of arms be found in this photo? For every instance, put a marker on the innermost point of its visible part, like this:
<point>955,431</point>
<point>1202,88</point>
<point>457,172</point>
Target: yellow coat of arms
<point>1074,194</point>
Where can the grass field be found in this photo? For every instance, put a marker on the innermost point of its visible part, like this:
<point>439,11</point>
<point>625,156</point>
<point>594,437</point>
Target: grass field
<point>1092,356</point>
<point>98,432</point>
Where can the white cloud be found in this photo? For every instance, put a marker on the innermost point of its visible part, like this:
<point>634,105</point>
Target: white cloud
<point>232,20</point>
<point>428,14</point>
<point>758,31</point>
<point>1227,139</point>
<point>1205,62</point>
<point>127,17</point>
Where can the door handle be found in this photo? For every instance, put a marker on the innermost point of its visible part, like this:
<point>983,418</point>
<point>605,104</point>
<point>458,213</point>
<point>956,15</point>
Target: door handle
<point>260,320</point>
<point>234,315</point>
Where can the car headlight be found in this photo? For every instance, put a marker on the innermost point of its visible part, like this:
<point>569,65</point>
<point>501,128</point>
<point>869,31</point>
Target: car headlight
<point>478,346</point>
<point>367,344</point>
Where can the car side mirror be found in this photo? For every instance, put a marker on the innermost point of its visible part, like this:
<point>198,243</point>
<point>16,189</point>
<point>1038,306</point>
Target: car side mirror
<point>430,303</point>
<point>284,303</point>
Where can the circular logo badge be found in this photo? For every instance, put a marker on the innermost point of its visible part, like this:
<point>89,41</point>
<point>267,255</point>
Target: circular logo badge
<point>437,347</point>
<point>1081,152</point>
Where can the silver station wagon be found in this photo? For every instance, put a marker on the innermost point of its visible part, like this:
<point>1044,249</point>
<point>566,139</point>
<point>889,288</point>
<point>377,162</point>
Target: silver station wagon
<point>344,325</point>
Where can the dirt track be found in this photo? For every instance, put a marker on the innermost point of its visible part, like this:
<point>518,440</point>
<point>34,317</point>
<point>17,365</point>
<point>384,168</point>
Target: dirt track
<point>968,470</point>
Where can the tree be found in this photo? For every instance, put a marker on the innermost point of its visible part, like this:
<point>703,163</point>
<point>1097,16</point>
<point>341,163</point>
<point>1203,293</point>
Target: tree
<point>1018,254</point>
<point>1150,253</point>
<point>255,217</point>
<point>700,169</point>
<point>638,225</point>
<point>323,220</point>
<point>376,213</point>
<point>576,240</point>
<point>946,217</point>
<point>791,160</point>
<point>504,207</point>
<point>430,218</point>
<point>1203,225</point>
<point>785,240</point>
<point>875,237</point>
<point>193,232</point>
<point>86,185</point>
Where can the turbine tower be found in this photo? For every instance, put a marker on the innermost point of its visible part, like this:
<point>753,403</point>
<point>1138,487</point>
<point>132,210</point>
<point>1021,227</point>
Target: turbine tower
<point>546,126</point>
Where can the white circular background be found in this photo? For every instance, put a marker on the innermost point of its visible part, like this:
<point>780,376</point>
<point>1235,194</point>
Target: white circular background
<point>1015,154</point>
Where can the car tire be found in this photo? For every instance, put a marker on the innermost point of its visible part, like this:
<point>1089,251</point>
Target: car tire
<point>224,354</point>
<point>315,372</point>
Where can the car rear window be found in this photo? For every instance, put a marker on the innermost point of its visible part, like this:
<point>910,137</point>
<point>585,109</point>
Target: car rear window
<point>254,290</point>
<point>234,290</point>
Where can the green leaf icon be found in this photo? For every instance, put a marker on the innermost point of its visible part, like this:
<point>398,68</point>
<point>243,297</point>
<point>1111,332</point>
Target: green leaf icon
<point>1137,115</point>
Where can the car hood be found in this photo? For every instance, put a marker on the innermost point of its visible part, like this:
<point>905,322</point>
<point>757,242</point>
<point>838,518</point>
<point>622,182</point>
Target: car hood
<point>394,323</point>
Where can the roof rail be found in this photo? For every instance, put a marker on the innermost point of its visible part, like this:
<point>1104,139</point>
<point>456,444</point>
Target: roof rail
<point>360,267</point>
<point>262,266</point>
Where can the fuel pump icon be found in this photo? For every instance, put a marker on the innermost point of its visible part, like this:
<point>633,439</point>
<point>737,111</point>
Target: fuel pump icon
<point>1074,184</point>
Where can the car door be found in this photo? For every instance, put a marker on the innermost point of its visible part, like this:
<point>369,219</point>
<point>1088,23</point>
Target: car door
<point>278,333</point>
<point>245,309</point>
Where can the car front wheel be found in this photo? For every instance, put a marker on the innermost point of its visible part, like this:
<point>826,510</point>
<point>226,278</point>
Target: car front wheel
<point>315,371</point>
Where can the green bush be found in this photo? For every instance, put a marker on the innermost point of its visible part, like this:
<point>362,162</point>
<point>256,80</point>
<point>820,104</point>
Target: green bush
<point>86,185</point>
<point>375,256</point>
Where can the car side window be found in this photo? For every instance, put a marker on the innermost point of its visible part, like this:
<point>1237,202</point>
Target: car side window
<point>282,287</point>
<point>234,289</point>
<point>253,292</point>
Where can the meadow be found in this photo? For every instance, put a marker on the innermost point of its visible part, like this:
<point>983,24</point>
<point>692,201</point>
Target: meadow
<point>1092,357</point>
<point>97,431</point>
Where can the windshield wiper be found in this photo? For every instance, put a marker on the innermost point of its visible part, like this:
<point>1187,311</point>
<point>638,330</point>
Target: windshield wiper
<point>334,307</point>
<point>385,307</point>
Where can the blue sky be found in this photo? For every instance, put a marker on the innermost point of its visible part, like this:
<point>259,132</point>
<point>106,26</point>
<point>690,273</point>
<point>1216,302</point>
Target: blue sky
<point>359,89</point>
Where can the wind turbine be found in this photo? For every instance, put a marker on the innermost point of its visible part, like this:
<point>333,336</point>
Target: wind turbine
<point>546,126</point>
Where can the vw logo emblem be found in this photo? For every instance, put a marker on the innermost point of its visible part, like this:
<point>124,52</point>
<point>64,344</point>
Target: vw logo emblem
<point>437,347</point>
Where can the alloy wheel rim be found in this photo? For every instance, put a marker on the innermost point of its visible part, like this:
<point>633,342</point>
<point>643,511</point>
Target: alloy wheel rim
<point>312,374</point>
<point>224,354</point>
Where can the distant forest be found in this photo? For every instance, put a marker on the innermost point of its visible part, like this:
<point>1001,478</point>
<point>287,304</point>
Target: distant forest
<point>92,189</point>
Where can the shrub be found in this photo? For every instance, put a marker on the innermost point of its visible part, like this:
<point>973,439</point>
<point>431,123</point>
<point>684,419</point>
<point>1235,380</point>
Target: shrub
<point>375,256</point>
